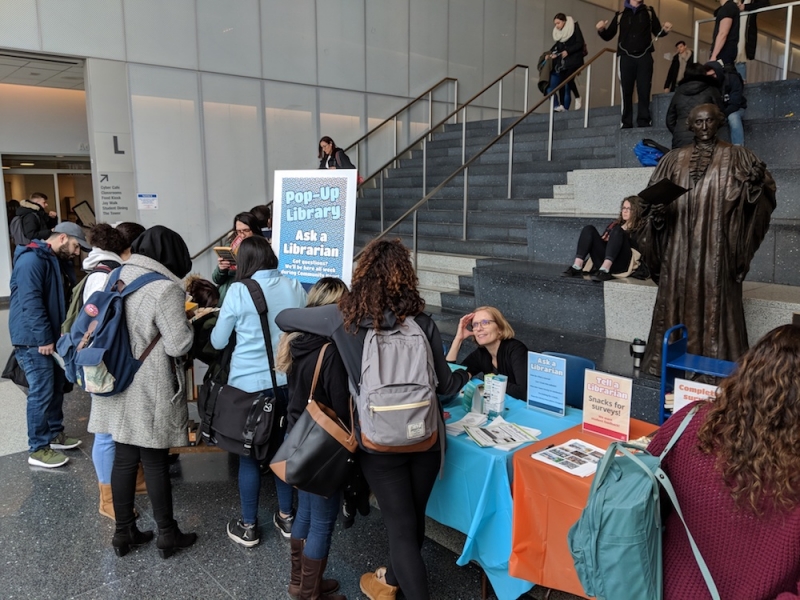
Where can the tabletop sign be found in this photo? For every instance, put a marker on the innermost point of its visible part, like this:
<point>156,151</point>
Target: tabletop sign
<point>313,223</point>
<point>547,382</point>
<point>687,392</point>
<point>607,405</point>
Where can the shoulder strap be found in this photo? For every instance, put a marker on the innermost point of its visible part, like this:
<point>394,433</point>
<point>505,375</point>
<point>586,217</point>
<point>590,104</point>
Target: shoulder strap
<point>261,306</point>
<point>316,372</point>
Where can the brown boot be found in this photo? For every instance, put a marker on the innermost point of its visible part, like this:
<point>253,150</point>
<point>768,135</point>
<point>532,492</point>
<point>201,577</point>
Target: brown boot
<point>311,581</point>
<point>141,486</point>
<point>295,577</point>
<point>106,501</point>
<point>375,587</point>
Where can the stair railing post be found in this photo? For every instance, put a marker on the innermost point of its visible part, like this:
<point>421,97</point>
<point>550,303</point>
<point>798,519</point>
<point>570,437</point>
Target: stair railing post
<point>395,140</point>
<point>500,109</point>
<point>525,95</point>
<point>424,166</point>
<point>464,215</point>
<point>788,42</point>
<point>464,136</point>
<point>588,95</point>
<point>510,158</point>
<point>614,77</point>
<point>414,241</point>
<point>430,113</point>
<point>455,102</point>
<point>550,130</point>
<point>382,224</point>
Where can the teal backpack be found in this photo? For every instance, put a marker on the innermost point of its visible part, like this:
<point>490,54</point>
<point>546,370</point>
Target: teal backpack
<point>616,543</point>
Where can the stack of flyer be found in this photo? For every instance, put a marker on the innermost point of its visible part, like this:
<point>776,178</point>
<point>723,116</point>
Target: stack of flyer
<point>575,456</point>
<point>502,435</point>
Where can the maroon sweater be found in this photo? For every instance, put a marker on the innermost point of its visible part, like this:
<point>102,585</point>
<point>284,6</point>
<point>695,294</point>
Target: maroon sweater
<point>749,558</point>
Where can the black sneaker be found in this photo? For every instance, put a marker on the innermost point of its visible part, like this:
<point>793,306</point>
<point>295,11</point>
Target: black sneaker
<point>284,524</point>
<point>602,276</point>
<point>246,535</point>
<point>572,272</point>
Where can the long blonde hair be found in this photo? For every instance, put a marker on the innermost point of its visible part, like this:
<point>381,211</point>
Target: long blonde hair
<point>327,290</point>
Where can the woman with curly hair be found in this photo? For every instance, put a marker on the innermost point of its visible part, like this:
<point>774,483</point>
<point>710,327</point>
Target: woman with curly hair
<point>383,293</point>
<point>736,472</point>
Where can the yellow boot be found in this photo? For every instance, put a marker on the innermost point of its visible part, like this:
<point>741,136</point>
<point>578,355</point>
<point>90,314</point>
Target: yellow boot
<point>141,486</point>
<point>106,501</point>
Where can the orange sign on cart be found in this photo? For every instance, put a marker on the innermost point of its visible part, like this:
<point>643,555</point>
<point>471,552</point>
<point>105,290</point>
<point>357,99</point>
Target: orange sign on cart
<point>607,405</point>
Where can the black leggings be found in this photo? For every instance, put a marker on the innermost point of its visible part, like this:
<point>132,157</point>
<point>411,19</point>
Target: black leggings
<point>156,475</point>
<point>617,249</point>
<point>402,484</point>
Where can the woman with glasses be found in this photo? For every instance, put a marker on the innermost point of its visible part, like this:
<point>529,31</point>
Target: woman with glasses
<point>498,351</point>
<point>612,253</point>
<point>331,157</point>
<point>245,225</point>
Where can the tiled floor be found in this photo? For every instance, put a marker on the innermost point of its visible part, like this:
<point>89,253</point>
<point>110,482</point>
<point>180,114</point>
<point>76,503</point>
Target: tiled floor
<point>54,544</point>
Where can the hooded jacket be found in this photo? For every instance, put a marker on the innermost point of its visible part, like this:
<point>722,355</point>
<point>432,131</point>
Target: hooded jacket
<point>332,390</point>
<point>637,27</point>
<point>36,223</point>
<point>97,281</point>
<point>37,306</point>
<point>693,90</point>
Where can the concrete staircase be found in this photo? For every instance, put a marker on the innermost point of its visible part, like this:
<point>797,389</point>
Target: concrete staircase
<point>521,244</point>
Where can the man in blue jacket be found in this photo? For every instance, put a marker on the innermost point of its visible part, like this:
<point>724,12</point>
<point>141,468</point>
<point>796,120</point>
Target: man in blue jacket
<point>38,308</point>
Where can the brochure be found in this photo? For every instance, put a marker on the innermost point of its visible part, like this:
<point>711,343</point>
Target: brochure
<point>575,456</point>
<point>501,434</point>
<point>472,419</point>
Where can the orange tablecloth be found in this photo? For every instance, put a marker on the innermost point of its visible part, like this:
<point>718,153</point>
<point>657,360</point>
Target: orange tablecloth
<point>547,501</point>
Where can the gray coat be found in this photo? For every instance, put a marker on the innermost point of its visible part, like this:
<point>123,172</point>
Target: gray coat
<point>152,412</point>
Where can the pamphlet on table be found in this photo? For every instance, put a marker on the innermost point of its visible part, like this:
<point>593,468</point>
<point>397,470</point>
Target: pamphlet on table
<point>575,456</point>
<point>502,435</point>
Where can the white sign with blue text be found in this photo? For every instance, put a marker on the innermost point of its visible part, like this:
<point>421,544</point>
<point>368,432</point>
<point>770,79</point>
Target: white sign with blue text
<point>313,224</point>
<point>547,383</point>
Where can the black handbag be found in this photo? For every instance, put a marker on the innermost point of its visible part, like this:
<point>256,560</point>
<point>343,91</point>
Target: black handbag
<point>14,371</point>
<point>319,452</point>
<point>245,423</point>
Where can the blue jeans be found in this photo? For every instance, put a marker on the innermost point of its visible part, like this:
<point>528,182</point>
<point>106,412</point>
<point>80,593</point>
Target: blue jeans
<point>736,127</point>
<point>563,96</point>
<point>250,490</point>
<point>315,520</point>
<point>45,396</point>
<point>103,456</point>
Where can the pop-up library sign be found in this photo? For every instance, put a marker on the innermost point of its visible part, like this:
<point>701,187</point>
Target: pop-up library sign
<point>313,223</point>
<point>607,405</point>
<point>547,380</point>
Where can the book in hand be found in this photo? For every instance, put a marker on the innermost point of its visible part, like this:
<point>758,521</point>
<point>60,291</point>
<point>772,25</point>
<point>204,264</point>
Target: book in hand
<point>225,253</point>
<point>662,192</point>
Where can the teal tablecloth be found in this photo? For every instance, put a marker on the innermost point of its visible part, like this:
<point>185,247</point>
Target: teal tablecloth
<point>474,495</point>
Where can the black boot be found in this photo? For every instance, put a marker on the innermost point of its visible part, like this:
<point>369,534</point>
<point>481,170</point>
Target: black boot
<point>172,539</point>
<point>127,536</point>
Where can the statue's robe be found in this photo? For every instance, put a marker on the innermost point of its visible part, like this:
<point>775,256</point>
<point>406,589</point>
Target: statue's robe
<point>700,247</point>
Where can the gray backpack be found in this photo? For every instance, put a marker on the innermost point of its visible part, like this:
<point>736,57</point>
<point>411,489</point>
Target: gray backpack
<point>17,232</point>
<point>398,410</point>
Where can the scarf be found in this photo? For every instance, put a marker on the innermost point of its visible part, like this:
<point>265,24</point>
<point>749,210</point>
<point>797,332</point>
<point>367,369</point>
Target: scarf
<point>166,247</point>
<point>566,32</point>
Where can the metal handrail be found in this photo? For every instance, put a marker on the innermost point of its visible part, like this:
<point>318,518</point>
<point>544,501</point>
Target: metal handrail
<point>787,38</point>
<point>425,136</point>
<point>394,115</point>
<point>466,163</point>
<point>218,239</point>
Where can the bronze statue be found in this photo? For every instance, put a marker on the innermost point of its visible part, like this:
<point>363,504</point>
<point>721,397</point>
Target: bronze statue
<point>700,246</point>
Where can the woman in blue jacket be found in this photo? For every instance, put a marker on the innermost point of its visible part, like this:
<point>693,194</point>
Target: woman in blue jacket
<point>249,370</point>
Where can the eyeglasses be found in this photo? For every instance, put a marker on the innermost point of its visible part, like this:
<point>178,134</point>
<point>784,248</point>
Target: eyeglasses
<point>243,231</point>
<point>479,324</point>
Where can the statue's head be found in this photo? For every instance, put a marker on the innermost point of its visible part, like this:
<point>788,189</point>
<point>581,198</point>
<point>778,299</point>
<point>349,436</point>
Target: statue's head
<point>704,121</point>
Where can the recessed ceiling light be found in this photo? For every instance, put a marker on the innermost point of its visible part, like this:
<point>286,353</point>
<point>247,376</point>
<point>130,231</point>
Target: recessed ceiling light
<point>26,164</point>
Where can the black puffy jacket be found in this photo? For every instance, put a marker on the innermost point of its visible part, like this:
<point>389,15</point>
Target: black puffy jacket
<point>692,91</point>
<point>574,47</point>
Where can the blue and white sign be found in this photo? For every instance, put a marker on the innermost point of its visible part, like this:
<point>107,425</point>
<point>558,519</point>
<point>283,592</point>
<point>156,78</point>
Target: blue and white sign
<point>147,201</point>
<point>313,223</point>
<point>547,383</point>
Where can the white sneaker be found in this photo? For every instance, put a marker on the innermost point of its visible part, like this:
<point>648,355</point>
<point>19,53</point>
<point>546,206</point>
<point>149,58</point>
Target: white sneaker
<point>578,103</point>
<point>559,108</point>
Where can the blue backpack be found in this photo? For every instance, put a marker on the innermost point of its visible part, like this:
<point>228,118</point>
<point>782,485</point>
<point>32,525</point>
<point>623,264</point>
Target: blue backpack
<point>616,543</point>
<point>647,155</point>
<point>96,353</point>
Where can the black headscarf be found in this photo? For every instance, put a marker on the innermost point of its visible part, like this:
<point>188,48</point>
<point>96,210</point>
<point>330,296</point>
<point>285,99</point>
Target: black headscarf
<point>166,247</point>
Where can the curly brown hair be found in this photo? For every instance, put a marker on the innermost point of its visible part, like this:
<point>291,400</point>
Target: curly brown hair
<point>752,426</point>
<point>106,237</point>
<point>384,279</point>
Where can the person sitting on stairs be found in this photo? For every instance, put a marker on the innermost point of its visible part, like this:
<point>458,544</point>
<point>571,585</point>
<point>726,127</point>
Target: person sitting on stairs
<point>614,250</point>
